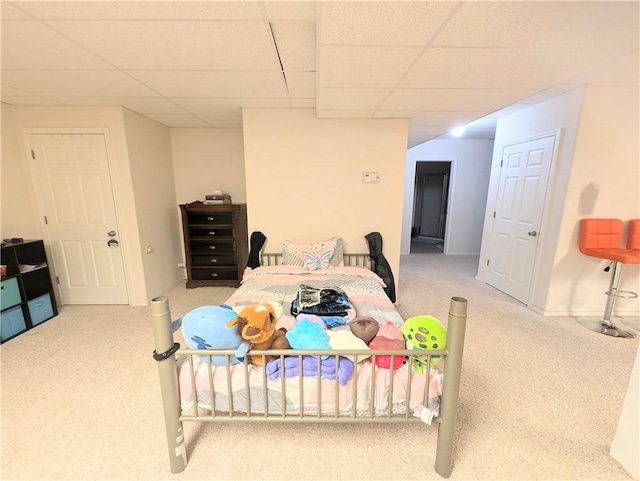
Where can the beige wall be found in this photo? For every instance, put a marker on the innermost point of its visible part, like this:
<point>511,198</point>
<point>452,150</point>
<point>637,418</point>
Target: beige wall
<point>205,160</point>
<point>595,174</point>
<point>109,121</point>
<point>149,148</point>
<point>604,182</point>
<point>304,178</point>
<point>17,204</point>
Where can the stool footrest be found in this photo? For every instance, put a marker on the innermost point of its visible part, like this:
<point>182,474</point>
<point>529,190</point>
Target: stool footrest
<point>624,294</point>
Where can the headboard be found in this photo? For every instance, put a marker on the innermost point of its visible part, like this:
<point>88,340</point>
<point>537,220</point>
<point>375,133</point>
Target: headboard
<point>351,260</point>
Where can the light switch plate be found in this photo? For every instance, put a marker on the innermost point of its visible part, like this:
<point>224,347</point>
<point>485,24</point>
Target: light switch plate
<point>370,177</point>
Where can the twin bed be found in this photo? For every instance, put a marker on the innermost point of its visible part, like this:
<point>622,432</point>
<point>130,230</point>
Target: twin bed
<point>342,382</point>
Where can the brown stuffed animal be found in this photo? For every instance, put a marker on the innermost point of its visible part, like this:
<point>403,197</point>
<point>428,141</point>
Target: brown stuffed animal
<point>257,324</point>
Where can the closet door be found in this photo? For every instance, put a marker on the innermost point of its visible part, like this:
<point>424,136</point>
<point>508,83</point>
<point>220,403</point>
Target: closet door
<point>75,195</point>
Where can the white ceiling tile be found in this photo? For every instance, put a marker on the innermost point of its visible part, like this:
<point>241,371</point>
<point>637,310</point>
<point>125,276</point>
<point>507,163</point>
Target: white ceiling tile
<point>301,85</point>
<point>624,71</point>
<point>303,103</point>
<point>223,121</point>
<point>414,140</point>
<point>145,10</point>
<point>143,105</point>
<point>431,117</point>
<point>11,12</point>
<point>350,99</point>
<point>228,106</point>
<point>430,130</point>
<point>214,84</point>
<point>29,100</point>
<point>510,109</point>
<point>547,94</point>
<point>599,24</point>
<point>178,120</point>
<point>196,45</point>
<point>364,66</point>
<point>13,92</point>
<point>344,114</point>
<point>296,45</point>
<point>499,67</point>
<point>382,23</point>
<point>76,83</point>
<point>454,99</point>
<point>305,10</point>
<point>30,44</point>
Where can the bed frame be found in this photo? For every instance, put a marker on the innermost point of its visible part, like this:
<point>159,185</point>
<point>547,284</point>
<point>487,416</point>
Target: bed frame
<point>166,350</point>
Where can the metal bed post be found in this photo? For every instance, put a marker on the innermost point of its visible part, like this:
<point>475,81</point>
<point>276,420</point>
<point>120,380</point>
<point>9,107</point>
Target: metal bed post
<point>165,356</point>
<point>453,366</point>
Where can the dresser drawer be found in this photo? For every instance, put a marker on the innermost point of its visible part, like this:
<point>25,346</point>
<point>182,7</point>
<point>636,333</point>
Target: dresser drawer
<point>214,218</point>
<point>212,247</point>
<point>210,232</point>
<point>211,261</point>
<point>12,322</point>
<point>214,274</point>
<point>10,293</point>
<point>40,309</point>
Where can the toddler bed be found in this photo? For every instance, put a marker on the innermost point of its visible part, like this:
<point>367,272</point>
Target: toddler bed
<point>340,383</point>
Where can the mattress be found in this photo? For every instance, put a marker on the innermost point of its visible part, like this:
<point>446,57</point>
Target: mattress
<point>356,387</point>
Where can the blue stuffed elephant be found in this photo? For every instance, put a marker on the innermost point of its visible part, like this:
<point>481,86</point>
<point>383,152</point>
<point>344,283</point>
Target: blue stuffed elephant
<point>204,328</point>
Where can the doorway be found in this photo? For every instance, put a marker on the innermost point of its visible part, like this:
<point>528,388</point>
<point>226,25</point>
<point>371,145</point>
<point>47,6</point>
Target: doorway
<point>518,215</point>
<point>73,186</point>
<point>431,197</point>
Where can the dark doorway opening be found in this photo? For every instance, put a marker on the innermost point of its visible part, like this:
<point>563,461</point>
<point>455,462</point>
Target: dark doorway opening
<point>431,194</point>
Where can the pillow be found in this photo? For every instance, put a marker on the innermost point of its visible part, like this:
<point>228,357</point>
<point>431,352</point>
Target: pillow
<point>313,262</point>
<point>293,248</point>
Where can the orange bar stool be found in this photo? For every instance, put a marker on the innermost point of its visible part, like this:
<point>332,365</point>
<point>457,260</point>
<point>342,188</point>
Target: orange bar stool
<point>602,238</point>
<point>633,244</point>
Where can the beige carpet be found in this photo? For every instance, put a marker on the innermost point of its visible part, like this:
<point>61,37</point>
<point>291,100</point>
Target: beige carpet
<point>540,399</point>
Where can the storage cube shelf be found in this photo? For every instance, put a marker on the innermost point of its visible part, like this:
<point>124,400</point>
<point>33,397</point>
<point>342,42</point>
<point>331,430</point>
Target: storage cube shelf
<point>26,297</point>
<point>216,243</point>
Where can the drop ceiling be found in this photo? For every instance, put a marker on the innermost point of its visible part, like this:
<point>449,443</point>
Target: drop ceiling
<point>198,64</point>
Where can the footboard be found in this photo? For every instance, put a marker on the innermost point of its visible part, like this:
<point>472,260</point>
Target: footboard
<point>194,389</point>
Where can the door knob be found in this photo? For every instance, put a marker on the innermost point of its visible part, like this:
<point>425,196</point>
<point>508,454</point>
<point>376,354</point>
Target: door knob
<point>112,243</point>
<point>533,233</point>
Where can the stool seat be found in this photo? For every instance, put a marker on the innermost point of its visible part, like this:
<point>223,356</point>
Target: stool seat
<point>624,256</point>
<point>602,239</point>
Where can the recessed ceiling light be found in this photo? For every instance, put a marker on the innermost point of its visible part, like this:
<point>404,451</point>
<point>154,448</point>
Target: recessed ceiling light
<point>458,131</point>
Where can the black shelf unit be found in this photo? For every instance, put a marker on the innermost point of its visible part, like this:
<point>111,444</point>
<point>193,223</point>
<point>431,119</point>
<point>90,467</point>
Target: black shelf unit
<point>26,298</point>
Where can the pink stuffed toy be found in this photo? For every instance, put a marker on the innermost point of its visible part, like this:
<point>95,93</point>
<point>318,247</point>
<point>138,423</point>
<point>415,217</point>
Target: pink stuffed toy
<point>388,337</point>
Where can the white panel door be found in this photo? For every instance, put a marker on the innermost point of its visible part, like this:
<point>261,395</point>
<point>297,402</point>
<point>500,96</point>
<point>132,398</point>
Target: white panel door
<point>74,187</point>
<point>524,176</point>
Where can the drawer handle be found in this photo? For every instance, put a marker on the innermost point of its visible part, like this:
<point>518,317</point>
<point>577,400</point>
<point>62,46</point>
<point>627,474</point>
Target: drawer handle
<point>210,218</point>
<point>38,304</point>
<point>212,232</point>
<point>214,260</point>
<point>214,275</point>
<point>212,247</point>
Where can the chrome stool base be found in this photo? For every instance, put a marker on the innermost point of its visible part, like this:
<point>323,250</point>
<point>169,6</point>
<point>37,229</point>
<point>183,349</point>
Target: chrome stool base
<point>604,327</point>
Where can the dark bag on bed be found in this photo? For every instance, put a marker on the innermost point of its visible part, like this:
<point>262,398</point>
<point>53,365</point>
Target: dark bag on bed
<point>328,301</point>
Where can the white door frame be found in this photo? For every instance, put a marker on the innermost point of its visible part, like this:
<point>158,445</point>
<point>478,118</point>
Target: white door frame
<point>27,132</point>
<point>544,225</point>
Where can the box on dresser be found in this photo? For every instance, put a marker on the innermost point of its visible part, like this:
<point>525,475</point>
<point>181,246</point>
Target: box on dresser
<point>216,243</point>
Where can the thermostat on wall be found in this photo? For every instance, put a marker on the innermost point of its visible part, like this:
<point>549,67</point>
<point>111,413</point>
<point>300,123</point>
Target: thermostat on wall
<point>370,177</point>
